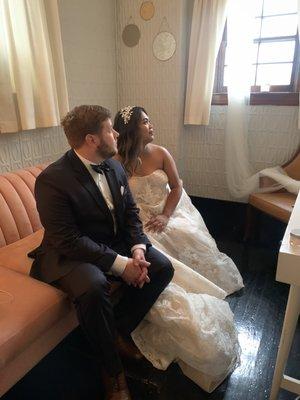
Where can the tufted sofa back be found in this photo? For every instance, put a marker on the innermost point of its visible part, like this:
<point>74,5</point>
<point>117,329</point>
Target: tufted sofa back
<point>18,214</point>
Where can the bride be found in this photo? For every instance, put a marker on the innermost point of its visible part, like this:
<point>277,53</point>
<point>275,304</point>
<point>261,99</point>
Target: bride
<point>189,323</point>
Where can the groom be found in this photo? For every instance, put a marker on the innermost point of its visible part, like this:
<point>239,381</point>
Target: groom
<point>93,231</point>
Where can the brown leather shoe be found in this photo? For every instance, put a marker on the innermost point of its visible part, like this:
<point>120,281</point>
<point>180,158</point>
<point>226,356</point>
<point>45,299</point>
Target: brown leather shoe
<point>116,387</point>
<point>128,349</point>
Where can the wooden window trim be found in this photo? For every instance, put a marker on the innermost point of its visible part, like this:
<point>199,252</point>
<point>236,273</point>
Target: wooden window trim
<point>262,98</point>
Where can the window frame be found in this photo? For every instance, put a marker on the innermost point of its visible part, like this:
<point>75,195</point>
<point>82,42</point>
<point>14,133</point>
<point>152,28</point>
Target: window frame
<point>284,95</point>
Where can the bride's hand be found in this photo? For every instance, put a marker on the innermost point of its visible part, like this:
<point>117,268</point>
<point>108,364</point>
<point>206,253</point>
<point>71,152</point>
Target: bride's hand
<point>157,223</point>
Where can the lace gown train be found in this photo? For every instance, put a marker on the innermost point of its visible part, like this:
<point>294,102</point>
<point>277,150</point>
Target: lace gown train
<point>190,322</point>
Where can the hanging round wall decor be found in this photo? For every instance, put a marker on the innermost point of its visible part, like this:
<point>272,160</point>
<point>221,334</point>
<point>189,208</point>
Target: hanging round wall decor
<point>147,10</point>
<point>131,35</point>
<point>164,46</point>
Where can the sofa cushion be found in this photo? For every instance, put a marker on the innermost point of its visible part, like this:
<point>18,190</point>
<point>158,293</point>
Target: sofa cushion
<point>32,308</point>
<point>14,256</point>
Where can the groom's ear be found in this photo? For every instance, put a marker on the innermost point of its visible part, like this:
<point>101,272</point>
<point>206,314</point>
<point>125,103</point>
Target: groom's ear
<point>92,139</point>
<point>88,138</point>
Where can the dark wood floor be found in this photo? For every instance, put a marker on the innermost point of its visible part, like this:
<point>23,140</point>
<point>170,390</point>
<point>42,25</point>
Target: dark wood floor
<point>69,373</point>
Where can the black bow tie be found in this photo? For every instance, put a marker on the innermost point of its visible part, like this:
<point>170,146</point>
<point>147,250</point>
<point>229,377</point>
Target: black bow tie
<point>100,168</point>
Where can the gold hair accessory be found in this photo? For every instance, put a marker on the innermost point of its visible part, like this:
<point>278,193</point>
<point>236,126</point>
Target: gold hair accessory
<point>126,113</point>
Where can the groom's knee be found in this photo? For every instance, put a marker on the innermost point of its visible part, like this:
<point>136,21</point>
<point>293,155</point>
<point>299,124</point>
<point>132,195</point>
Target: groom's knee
<point>161,268</point>
<point>167,271</point>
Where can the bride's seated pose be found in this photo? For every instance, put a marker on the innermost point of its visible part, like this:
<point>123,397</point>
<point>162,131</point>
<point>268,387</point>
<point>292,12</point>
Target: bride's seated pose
<point>171,221</point>
<point>189,323</point>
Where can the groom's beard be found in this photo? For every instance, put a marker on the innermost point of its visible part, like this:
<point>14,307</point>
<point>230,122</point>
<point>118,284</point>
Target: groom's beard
<point>104,151</point>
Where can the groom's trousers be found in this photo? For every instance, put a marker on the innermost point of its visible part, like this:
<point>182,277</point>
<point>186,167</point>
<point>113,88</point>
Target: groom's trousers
<point>88,287</point>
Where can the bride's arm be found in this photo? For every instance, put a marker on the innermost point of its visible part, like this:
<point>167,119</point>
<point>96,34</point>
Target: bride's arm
<point>175,183</point>
<point>159,222</point>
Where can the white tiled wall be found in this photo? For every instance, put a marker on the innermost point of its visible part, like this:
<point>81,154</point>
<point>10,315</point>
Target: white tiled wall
<point>273,138</point>
<point>97,72</point>
<point>142,79</point>
<point>88,35</point>
<point>160,87</point>
<point>88,32</point>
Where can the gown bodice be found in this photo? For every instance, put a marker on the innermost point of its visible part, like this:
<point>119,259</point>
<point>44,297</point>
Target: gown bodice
<point>150,190</point>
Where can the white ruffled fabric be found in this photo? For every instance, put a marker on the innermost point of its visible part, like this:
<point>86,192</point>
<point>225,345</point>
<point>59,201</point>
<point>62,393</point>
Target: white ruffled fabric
<point>281,180</point>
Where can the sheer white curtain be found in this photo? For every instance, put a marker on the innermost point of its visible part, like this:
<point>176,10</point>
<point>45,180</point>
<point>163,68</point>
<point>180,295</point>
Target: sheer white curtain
<point>32,78</point>
<point>299,38</point>
<point>240,178</point>
<point>208,22</point>
<point>8,117</point>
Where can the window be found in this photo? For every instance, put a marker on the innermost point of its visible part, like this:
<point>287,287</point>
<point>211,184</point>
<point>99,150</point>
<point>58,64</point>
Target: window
<point>275,56</point>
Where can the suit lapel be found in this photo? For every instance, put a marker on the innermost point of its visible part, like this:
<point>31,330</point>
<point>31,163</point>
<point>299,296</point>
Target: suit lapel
<point>87,181</point>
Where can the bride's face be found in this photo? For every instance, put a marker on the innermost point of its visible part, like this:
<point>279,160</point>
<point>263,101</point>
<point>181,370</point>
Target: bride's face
<point>145,129</point>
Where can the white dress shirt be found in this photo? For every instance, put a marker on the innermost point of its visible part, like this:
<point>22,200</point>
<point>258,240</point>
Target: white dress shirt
<point>120,262</point>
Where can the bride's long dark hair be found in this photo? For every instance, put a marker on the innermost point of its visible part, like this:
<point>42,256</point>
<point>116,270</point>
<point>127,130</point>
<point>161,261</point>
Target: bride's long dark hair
<point>129,141</point>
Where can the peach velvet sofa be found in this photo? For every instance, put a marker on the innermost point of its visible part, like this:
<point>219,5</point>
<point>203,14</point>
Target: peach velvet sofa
<point>34,316</point>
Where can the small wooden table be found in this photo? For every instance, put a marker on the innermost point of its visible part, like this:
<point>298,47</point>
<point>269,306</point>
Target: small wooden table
<point>288,271</point>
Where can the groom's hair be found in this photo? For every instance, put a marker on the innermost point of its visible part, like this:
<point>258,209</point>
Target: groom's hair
<point>83,120</point>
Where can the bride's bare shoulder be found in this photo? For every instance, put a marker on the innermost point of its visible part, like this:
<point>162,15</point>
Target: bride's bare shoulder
<point>155,149</point>
<point>158,152</point>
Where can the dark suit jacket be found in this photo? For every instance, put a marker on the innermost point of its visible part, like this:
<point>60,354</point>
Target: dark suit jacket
<point>78,224</point>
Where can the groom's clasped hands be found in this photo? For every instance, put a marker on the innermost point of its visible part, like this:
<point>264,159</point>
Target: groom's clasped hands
<point>136,270</point>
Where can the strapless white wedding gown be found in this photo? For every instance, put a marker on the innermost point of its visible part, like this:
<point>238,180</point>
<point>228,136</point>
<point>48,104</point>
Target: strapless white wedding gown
<point>186,237</point>
<point>190,322</point>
